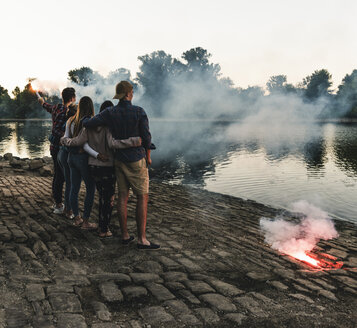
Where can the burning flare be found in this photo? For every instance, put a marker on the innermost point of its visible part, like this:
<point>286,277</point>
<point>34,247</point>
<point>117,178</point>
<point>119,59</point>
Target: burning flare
<point>298,239</point>
<point>306,258</point>
<point>35,91</point>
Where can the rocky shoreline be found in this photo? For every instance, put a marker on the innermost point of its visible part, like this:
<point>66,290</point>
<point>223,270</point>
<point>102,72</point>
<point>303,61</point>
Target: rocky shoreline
<point>214,268</point>
<point>16,165</point>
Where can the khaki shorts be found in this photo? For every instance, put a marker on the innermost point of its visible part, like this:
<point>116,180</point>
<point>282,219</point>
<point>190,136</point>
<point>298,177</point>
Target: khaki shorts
<point>134,175</point>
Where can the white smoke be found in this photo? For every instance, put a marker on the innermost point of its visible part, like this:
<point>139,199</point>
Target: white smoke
<point>296,238</point>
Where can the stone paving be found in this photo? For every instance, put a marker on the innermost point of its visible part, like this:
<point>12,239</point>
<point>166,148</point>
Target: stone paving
<point>213,269</point>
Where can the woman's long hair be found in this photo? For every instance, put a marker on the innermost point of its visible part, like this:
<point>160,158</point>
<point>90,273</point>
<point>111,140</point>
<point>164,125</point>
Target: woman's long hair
<point>85,108</point>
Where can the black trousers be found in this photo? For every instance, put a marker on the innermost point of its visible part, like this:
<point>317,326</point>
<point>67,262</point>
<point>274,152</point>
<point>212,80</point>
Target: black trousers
<point>104,178</point>
<point>58,178</point>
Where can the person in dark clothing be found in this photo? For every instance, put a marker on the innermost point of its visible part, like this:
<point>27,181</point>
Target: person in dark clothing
<point>131,164</point>
<point>63,161</point>
<point>100,141</point>
<point>58,113</point>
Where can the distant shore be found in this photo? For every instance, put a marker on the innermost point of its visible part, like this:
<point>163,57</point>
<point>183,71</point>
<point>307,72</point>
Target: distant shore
<point>218,120</point>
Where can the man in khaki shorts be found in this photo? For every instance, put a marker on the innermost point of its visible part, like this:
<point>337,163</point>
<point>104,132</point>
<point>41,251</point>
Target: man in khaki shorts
<point>131,164</point>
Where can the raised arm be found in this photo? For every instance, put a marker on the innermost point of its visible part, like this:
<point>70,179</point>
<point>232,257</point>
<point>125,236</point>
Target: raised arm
<point>48,107</point>
<point>126,143</point>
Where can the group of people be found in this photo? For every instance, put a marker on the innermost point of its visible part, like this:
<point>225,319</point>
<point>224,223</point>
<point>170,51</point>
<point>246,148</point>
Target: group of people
<point>112,147</point>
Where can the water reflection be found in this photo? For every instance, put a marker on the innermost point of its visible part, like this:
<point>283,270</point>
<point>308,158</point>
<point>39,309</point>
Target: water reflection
<point>317,163</point>
<point>345,150</point>
<point>25,138</point>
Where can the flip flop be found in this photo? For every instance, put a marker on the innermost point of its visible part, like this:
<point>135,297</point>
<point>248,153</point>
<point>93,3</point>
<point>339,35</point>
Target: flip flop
<point>151,247</point>
<point>126,242</point>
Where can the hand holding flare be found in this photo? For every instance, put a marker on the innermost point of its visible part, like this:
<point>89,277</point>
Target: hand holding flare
<point>40,99</point>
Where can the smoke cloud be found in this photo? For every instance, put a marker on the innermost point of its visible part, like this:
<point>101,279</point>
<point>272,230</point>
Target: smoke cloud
<point>195,113</point>
<point>298,238</point>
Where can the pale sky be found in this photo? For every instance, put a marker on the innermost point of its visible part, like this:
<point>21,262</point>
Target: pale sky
<point>251,40</point>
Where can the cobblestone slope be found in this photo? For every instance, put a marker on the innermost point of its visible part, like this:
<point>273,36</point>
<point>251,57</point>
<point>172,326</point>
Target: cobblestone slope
<point>214,268</point>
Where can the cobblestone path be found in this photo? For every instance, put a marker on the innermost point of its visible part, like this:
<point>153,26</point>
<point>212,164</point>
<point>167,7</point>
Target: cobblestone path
<point>214,268</point>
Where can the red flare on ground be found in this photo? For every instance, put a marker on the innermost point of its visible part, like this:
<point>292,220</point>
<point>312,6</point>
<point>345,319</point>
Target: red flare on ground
<point>306,258</point>
<point>322,261</point>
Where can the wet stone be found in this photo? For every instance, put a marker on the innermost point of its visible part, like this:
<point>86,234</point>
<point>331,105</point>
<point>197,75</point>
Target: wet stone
<point>5,234</point>
<point>117,277</point>
<point>11,257</point>
<point>175,276</point>
<point>110,292</point>
<point>174,285</point>
<point>338,253</point>
<point>101,311</point>
<point>219,302</point>
<point>189,296</point>
<point>177,307</point>
<point>141,278</point>
<point>198,287</point>
<point>207,315</point>
<point>189,265</point>
<point>68,320</point>
<point>43,321</point>
<point>39,248</point>
<point>352,261</point>
<point>132,292</point>
<point>308,284</point>
<point>159,291</point>
<point>29,278</point>
<point>302,297</point>
<point>155,315</point>
<point>328,294</point>
<point>251,305</point>
<point>266,300</point>
<point>18,235</point>
<point>15,317</point>
<point>260,275</point>
<point>324,284</point>
<point>34,292</point>
<point>189,319</point>
<point>278,285</point>
<point>75,280</point>
<point>150,266</point>
<point>65,302</point>
<point>235,318</point>
<point>55,289</point>
<point>42,308</point>
<point>169,263</point>
<point>350,282</point>
<point>225,288</point>
<point>25,253</point>
<point>285,273</point>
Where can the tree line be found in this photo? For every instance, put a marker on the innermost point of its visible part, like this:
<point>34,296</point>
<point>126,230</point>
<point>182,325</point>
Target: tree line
<point>163,78</point>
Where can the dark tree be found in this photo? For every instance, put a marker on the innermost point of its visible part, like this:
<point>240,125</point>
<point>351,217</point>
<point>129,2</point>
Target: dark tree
<point>155,71</point>
<point>317,84</point>
<point>197,59</point>
<point>347,95</point>
<point>84,76</point>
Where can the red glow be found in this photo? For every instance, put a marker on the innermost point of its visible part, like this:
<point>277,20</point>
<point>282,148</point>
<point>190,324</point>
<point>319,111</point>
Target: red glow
<point>322,261</point>
<point>306,258</point>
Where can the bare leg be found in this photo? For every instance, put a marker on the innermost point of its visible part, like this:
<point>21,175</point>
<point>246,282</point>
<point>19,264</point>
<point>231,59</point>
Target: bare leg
<point>141,215</point>
<point>122,212</point>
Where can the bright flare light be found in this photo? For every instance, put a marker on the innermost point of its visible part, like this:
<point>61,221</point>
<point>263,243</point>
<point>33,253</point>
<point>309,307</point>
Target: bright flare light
<point>305,258</point>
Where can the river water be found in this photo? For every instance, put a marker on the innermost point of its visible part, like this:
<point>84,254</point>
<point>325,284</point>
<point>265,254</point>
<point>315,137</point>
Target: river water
<point>317,163</point>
